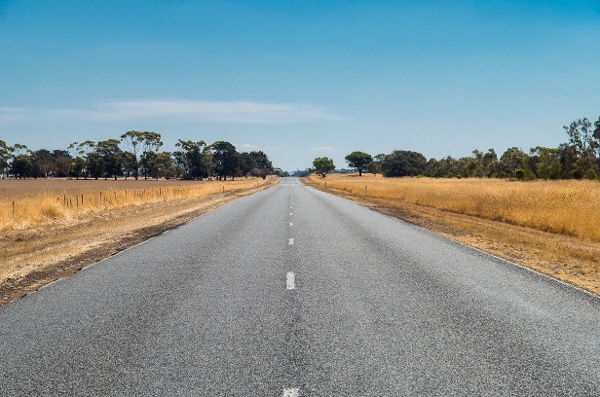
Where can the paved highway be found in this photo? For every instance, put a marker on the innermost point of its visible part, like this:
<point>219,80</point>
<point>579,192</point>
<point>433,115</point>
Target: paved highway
<point>295,292</point>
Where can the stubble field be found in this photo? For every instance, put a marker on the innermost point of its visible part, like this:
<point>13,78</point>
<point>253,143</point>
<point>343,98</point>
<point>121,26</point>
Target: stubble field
<point>551,226</point>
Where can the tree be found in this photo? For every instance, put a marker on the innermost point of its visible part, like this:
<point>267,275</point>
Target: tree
<point>512,159</point>
<point>547,162</point>
<point>491,164</point>
<point>323,165</point>
<point>359,160</point>
<point>151,142</point>
<point>403,163</point>
<point>374,166</point>
<point>225,159</point>
<point>164,165</point>
<point>193,158</point>
<point>111,157</point>
<point>21,163</point>
<point>255,163</point>
<point>6,153</point>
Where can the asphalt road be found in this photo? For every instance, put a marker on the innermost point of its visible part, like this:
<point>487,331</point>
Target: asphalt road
<point>295,292</point>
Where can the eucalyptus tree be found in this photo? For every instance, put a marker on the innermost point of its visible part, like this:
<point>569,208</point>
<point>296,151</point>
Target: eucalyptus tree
<point>193,158</point>
<point>359,160</point>
<point>323,165</point>
<point>225,159</point>
<point>6,153</point>
<point>111,157</point>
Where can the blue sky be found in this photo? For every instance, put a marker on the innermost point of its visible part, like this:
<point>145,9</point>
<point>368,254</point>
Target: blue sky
<point>300,79</point>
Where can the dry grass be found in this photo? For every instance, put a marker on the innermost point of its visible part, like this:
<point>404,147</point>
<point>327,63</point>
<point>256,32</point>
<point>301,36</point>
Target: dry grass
<point>552,226</point>
<point>570,208</point>
<point>32,204</point>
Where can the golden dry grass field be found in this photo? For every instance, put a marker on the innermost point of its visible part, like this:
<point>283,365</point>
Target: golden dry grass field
<point>552,226</point>
<point>51,228</point>
<point>27,204</point>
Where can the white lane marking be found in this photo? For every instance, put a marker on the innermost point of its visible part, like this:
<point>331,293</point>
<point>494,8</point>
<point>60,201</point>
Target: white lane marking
<point>290,281</point>
<point>291,241</point>
<point>291,214</point>
<point>291,392</point>
<point>291,223</point>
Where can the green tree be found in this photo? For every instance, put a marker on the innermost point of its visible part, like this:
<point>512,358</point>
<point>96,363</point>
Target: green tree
<point>359,160</point>
<point>374,166</point>
<point>6,153</point>
<point>225,159</point>
<point>323,165</point>
<point>546,161</point>
<point>20,165</point>
<point>111,157</point>
<point>193,158</point>
<point>403,163</point>
<point>512,159</point>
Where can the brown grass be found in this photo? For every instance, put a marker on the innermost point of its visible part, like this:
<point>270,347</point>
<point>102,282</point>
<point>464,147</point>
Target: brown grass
<point>55,239</point>
<point>31,204</point>
<point>552,226</point>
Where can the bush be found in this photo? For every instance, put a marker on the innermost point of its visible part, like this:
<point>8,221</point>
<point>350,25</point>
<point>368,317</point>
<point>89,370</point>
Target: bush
<point>590,174</point>
<point>520,174</point>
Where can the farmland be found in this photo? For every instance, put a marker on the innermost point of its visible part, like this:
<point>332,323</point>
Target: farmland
<point>551,226</point>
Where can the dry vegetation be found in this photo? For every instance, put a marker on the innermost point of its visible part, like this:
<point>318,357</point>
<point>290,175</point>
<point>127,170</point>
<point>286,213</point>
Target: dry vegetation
<point>60,225</point>
<point>552,226</point>
<point>31,204</point>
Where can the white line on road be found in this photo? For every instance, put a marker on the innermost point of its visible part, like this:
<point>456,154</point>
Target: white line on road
<point>290,281</point>
<point>291,214</point>
<point>291,223</point>
<point>291,392</point>
<point>291,241</point>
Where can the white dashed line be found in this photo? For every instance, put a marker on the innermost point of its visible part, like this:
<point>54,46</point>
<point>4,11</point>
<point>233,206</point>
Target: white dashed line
<point>291,224</point>
<point>291,392</point>
<point>291,241</point>
<point>290,281</point>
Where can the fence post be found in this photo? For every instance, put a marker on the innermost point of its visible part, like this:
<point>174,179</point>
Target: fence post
<point>13,209</point>
<point>366,190</point>
<point>325,184</point>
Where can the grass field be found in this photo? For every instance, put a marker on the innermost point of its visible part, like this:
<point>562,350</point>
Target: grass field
<point>26,204</point>
<point>570,208</point>
<point>552,226</point>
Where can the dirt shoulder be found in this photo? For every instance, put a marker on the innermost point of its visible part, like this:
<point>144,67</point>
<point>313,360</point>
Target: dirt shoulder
<point>42,256</point>
<point>566,258</point>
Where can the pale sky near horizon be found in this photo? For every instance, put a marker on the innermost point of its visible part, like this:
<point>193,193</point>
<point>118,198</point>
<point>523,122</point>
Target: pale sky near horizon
<point>300,79</point>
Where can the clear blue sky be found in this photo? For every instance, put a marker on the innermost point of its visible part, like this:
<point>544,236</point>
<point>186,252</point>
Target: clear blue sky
<point>300,79</point>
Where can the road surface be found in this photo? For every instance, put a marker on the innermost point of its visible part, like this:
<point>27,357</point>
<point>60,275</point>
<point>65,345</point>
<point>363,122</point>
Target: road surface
<point>295,292</point>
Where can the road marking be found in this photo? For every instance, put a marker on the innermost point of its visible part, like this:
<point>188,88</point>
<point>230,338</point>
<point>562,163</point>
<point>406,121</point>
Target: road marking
<point>290,281</point>
<point>291,214</point>
<point>291,241</point>
<point>291,223</point>
<point>291,392</point>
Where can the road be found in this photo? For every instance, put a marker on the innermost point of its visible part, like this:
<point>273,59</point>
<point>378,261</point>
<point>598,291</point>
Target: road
<point>296,292</point>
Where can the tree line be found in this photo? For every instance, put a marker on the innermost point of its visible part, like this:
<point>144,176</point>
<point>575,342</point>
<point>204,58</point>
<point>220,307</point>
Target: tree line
<point>136,154</point>
<point>579,158</point>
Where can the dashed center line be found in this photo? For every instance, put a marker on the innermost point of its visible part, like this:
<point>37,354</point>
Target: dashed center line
<point>291,241</point>
<point>291,224</point>
<point>291,392</point>
<point>290,281</point>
